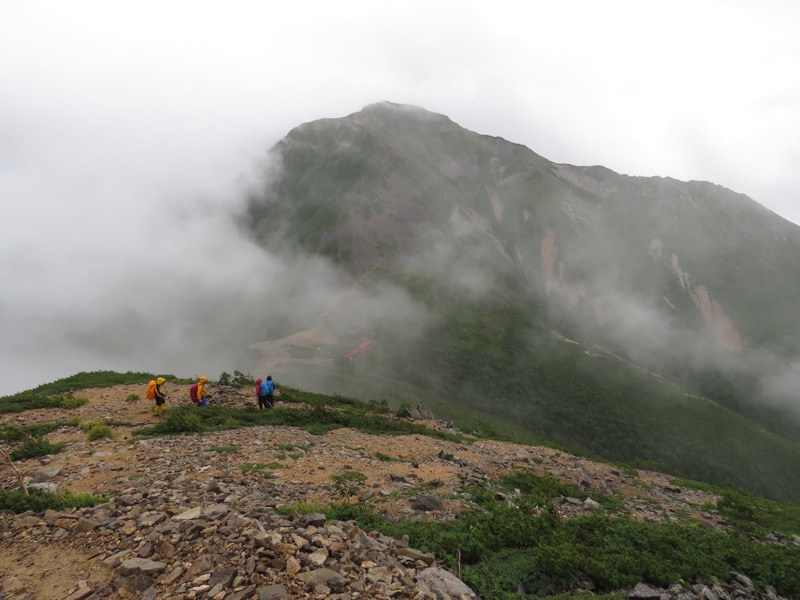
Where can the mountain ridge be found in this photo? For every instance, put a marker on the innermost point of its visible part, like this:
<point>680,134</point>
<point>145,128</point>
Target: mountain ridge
<point>191,512</point>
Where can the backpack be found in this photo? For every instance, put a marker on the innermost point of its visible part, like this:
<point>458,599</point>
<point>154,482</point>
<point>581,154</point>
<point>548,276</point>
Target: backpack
<point>151,390</point>
<point>193,393</point>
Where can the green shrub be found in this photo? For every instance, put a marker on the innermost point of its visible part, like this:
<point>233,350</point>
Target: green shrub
<point>302,508</point>
<point>87,424</point>
<point>100,431</point>
<point>319,428</point>
<point>349,476</point>
<point>347,482</point>
<point>36,447</point>
<point>71,402</point>
<point>242,380</point>
<point>223,449</point>
<point>11,433</point>
<point>132,398</point>
<point>28,441</point>
<point>318,419</point>
<point>256,468</point>
<point>36,500</point>
<point>484,429</point>
<point>379,406</point>
<point>502,550</point>
<point>183,419</point>
<point>96,429</point>
<point>238,379</point>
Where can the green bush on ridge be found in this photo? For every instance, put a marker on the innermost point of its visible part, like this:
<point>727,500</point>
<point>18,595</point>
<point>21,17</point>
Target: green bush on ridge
<point>58,394</point>
<point>503,549</point>
<point>320,415</point>
<point>35,500</point>
<point>28,441</point>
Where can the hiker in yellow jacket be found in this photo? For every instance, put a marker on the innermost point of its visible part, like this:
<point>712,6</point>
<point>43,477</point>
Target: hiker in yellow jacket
<point>161,396</point>
<point>202,396</point>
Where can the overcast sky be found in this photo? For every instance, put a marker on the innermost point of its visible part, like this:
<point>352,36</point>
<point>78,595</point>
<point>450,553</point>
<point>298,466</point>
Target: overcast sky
<point>128,131</point>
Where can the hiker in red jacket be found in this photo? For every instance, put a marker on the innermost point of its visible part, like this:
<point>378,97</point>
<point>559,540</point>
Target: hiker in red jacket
<point>198,394</point>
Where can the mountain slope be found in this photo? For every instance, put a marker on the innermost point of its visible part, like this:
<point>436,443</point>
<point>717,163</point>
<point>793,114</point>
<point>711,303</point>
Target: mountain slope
<point>217,509</point>
<point>638,318</point>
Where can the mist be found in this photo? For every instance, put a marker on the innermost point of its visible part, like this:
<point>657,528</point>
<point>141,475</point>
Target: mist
<point>111,265</point>
<point>130,134</point>
<point>646,330</point>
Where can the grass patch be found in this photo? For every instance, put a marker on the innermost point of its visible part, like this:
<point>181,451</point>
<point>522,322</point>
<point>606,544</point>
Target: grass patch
<point>349,477</point>
<point>96,429</point>
<point>257,468</point>
<point>224,449</point>
<point>28,441</point>
<point>303,508</point>
<point>749,513</point>
<point>36,500</point>
<point>347,482</point>
<point>72,402</point>
<point>182,419</point>
<point>290,447</point>
<point>37,447</point>
<point>324,414</point>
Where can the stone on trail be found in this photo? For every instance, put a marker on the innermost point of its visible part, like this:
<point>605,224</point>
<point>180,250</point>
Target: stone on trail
<point>440,581</point>
<point>133,566</point>
<point>272,592</point>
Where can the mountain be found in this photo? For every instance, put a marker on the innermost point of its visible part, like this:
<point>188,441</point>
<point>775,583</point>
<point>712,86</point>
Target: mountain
<point>638,318</point>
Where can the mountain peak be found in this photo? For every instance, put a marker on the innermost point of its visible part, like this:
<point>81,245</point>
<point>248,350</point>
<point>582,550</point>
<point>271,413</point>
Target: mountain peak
<point>682,287</point>
<point>397,112</point>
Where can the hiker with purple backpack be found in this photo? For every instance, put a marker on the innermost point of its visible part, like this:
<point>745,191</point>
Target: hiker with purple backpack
<point>197,393</point>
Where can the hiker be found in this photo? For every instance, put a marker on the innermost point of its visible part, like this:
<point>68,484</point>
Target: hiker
<point>266,393</point>
<point>258,393</point>
<point>161,396</point>
<point>198,394</point>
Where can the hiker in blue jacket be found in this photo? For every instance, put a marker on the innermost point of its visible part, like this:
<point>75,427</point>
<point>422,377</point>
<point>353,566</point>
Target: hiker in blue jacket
<point>266,393</point>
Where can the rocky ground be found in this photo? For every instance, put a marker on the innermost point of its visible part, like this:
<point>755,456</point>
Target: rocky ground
<point>194,516</point>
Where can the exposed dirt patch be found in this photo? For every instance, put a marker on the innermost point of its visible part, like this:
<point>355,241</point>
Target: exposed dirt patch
<point>52,571</point>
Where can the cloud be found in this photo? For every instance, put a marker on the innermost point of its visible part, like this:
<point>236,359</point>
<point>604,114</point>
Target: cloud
<point>128,128</point>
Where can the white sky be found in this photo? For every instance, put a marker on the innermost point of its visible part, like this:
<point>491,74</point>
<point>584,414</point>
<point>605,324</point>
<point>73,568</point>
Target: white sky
<point>128,128</point>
